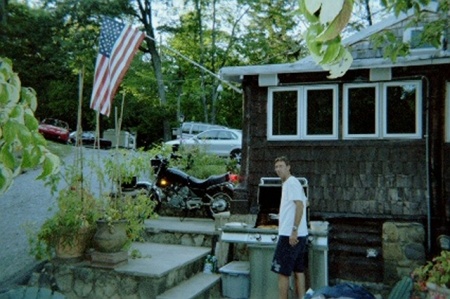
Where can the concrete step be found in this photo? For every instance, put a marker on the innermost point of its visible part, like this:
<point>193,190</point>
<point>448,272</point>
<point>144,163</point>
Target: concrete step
<point>159,268</point>
<point>167,265</point>
<point>182,231</point>
<point>199,286</point>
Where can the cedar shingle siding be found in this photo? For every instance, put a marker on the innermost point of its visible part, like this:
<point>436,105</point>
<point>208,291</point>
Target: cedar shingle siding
<point>364,183</point>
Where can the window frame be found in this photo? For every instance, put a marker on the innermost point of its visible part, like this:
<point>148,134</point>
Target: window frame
<point>302,119</point>
<point>270,136</point>
<point>418,126</point>
<point>345,112</point>
<point>304,127</point>
<point>381,111</point>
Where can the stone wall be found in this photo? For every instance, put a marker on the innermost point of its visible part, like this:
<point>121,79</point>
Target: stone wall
<point>403,249</point>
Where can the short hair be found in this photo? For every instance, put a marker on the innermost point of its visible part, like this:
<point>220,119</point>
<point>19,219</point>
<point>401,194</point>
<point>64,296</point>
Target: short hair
<point>282,159</point>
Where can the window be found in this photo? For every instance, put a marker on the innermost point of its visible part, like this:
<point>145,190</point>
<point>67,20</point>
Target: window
<point>284,109</point>
<point>302,112</point>
<point>402,110</point>
<point>360,110</point>
<point>321,112</point>
<point>382,110</point>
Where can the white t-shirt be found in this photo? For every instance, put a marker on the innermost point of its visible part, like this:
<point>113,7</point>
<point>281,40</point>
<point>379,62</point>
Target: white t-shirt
<point>291,190</point>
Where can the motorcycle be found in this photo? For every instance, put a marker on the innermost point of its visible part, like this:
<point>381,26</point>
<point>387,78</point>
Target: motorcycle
<point>182,191</point>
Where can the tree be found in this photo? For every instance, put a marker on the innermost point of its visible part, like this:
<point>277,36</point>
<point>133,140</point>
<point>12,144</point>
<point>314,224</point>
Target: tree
<point>327,20</point>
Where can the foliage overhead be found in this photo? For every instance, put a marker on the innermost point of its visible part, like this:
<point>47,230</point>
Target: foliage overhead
<point>326,20</point>
<point>22,147</point>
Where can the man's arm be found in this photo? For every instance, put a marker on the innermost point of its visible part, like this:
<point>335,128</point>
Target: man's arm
<point>297,219</point>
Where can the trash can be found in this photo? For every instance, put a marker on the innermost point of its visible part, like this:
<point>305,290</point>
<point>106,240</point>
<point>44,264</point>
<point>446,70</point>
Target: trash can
<point>235,280</point>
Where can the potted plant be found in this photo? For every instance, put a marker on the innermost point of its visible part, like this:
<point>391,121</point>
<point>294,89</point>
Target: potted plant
<point>67,234</point>
<point>123,212</point>
<point>432,280</point>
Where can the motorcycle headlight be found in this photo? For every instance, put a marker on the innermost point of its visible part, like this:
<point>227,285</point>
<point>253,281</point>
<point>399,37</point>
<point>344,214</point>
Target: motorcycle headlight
<point>163,182</point>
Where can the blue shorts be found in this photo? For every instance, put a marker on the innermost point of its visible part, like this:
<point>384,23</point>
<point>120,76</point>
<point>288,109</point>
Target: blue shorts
<point>287,258</point>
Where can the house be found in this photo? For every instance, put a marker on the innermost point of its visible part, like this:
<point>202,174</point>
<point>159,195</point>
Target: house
<point>373,144</point>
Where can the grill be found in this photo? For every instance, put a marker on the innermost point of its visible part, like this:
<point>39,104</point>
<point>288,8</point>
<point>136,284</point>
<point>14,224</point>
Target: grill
<point>265,230</point>
<point>262,236</point>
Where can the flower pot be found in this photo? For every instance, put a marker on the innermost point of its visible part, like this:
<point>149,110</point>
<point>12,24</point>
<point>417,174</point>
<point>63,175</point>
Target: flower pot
<point>110,236</point>
<point>77,247</point>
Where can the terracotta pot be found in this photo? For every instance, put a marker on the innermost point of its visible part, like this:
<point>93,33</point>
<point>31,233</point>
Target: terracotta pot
<point>110,236</point>
<point>75,249</point>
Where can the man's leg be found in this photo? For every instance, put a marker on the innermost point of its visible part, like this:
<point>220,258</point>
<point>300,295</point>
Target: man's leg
<point>283,286</point>
<point>300,288</point>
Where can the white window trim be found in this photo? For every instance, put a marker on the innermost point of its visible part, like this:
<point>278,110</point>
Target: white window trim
<point>380,110</point>
<point>301,113</point>
<point>270,136</point>
<point>345,105</point>
<point>304,125</point>
<point>418,129</point>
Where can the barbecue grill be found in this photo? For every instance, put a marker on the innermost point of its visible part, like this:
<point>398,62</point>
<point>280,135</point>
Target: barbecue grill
<point>262,236</point>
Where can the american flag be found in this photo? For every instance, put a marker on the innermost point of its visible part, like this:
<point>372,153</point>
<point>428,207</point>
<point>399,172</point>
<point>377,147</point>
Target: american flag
<point>118,45</point>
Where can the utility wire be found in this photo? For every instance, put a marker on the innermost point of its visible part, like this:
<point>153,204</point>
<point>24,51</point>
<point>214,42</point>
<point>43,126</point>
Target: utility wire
<point>200,66</point>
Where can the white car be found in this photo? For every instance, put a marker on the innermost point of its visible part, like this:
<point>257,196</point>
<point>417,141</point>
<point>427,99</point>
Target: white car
<point>222,142</point>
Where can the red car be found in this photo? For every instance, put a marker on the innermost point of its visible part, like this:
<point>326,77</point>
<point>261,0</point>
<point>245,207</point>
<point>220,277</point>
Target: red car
<point>54,129</point>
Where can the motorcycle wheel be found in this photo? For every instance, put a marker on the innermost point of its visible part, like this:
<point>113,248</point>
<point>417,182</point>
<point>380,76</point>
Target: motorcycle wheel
<point>219,203</point>
<point>152,194</point>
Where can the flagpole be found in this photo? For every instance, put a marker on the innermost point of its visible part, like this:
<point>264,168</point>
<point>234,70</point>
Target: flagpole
<point>200,66</point>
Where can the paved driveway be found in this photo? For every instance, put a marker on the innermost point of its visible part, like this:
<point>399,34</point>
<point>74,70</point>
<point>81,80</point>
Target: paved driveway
<point>25,206</point>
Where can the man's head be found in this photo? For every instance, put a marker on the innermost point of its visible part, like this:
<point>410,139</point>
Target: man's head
<point>282,167</point>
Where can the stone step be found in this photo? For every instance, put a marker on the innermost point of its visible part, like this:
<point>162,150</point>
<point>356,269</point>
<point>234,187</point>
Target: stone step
<point>199,286</point>
<point>159,268</point>
<point>166,264</point>
<point>182,231</point>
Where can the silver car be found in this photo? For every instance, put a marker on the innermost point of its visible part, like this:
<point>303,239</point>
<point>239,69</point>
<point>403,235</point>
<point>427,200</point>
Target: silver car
<point>222,142</point>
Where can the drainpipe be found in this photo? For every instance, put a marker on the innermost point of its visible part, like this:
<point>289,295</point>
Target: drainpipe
<point>427,160</point>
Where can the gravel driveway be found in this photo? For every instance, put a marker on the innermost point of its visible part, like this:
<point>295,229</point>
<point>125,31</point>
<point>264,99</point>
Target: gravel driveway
<point>26,204</point>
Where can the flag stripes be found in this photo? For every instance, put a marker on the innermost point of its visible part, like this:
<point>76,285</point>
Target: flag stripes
<point>118,45</point>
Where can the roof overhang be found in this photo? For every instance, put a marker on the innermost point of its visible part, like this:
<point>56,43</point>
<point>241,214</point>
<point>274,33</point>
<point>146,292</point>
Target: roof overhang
<point>307,65</point>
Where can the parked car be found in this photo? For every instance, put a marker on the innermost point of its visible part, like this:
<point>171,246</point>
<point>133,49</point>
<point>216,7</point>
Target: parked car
<point>54,129</point>
<point>190,129</point>
<point>222,142</point>
<point>88,138</point>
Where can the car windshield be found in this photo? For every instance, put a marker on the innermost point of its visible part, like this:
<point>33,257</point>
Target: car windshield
<point>56,123</point>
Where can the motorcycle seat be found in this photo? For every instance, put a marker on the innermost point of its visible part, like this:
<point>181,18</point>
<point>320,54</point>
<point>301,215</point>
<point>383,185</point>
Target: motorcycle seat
<point>212,180</point>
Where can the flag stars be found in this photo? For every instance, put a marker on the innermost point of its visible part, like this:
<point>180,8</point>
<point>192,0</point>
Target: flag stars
<point>109,35</point>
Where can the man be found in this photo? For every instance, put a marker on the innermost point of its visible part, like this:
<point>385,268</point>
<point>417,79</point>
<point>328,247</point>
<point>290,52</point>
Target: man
<point>292,232</point>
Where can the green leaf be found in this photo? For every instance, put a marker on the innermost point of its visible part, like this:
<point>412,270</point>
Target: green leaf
<point>6,178</point>
<point>7,157</point>
<point>30,120</point>
<point>9,95</point>
<point>29,96</point>
<point>17,114</point>
<point>10,131</point>
<point>330,10</point>
<point>310,17</point>
<point>339,23</point>
<point>50,166</point>
<point>332,51</point>
<point>23,134</point>
<point>312,5</point>
<point>339,69</point>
